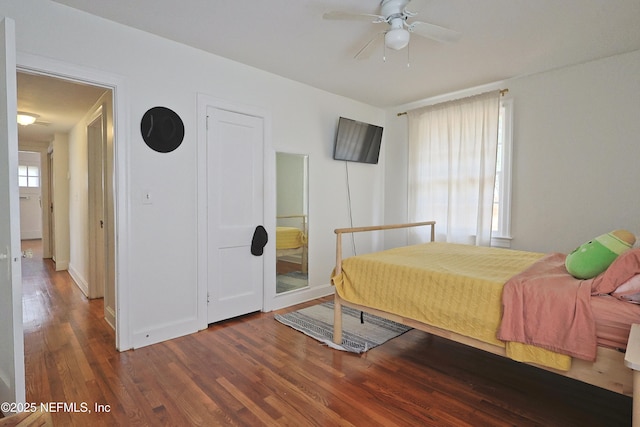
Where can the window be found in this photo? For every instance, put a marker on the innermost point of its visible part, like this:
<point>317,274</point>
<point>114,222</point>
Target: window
<point>28,176</point>
<point>451,167</point>
<point>501,222</point>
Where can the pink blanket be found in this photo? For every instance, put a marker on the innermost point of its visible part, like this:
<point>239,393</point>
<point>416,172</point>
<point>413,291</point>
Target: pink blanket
<point>547,307</point>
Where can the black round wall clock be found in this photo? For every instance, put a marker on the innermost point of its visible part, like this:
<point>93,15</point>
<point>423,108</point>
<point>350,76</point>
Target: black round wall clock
<point>162,129</point>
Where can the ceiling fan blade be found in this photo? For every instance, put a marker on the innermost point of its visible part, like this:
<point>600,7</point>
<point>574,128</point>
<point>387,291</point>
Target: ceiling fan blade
<point>347,16</point>
<point>434,32</point>
<point>366,50</point>
<point>416,5</point>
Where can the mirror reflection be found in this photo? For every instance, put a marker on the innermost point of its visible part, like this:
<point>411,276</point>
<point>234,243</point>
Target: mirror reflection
<point>292,222</point>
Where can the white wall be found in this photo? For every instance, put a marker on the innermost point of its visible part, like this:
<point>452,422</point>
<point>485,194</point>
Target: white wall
<point>78,206</point>
<point>576,153</point>
<point>159,284</point>
<point>575,158</point>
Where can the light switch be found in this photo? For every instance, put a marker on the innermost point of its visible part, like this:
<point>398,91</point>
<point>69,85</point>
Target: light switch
<point>146,197</point>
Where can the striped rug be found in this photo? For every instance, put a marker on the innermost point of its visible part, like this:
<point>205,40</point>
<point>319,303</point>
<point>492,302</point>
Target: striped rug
<point>317,322</point>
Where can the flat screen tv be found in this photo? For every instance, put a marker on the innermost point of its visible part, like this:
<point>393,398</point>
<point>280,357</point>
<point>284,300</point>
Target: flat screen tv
<point>357,141</point>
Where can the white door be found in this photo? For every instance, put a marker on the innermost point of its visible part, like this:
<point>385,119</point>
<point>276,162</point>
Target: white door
<point>29,182</point>
<point>12,381</point>
<point>52,212</point>
<point>95,175</point>
<point>235,203</point>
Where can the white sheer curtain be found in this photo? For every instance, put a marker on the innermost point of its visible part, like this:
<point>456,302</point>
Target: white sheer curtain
<point>452,167</point>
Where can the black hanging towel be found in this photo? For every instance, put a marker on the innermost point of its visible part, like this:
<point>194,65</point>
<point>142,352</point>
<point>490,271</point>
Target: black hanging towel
<point>259,240</point>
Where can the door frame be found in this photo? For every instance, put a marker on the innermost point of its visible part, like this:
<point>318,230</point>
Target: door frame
<point>45,66</point>
<point>49,245</point>
<point>269,213</point>
<point>46,188</point>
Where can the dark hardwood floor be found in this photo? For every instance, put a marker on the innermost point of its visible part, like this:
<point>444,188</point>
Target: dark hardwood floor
<point>254,371</point>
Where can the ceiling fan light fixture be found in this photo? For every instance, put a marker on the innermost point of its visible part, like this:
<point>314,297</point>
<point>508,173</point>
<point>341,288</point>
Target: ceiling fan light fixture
<point>396,38</point>
<point>26,119</point>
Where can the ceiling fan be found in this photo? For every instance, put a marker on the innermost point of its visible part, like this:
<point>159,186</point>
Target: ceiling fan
<point>395,14</point>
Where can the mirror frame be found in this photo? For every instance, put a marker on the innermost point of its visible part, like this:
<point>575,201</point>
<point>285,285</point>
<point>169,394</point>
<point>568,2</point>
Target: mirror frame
<point>292,212</point>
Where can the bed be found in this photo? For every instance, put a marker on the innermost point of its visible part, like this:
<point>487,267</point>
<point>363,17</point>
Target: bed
<point>291,240</point>
<point>473,295</point>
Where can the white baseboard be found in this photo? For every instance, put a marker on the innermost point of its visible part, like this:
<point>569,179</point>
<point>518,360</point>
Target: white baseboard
<point>303,295</point>
<point>80,281</point>
<point>61,265</point>
<point>110,317</point>
<point>159,333</point>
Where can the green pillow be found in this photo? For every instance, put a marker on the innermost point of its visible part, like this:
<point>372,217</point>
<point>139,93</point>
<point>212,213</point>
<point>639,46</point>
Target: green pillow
<point>595,256</point>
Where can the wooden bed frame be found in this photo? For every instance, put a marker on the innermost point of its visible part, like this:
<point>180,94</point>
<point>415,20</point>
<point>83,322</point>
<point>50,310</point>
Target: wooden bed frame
<point>612,370</point>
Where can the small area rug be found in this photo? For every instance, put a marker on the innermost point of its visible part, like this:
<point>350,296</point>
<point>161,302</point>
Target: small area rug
<point>317,322</point>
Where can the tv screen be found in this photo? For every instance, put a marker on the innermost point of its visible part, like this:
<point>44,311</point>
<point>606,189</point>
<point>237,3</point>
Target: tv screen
<point>357,141</point>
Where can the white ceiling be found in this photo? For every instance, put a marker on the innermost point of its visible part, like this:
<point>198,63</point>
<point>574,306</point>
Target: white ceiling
<point>500,39</point>
<point>59,104</point>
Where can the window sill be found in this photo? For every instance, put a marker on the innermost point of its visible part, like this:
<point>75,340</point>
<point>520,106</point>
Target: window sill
<point>501,242</point>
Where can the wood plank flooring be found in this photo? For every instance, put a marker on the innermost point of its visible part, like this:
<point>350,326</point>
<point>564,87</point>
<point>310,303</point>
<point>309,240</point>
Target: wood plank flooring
<point>254,371</point>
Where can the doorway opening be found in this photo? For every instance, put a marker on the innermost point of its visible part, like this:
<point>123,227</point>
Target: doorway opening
<point>29,183</point>
<point>74,137</point>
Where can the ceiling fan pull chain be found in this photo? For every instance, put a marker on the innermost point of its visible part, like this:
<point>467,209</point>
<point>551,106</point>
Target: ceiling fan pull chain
<point>408,58</point>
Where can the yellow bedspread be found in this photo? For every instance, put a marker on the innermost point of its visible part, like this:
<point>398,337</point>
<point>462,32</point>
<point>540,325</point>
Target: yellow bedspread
<point>289,238</point>
<point>450,286</point>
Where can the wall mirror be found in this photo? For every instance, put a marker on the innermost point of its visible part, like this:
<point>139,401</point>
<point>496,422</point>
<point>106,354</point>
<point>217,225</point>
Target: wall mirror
<point>292,222</point>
